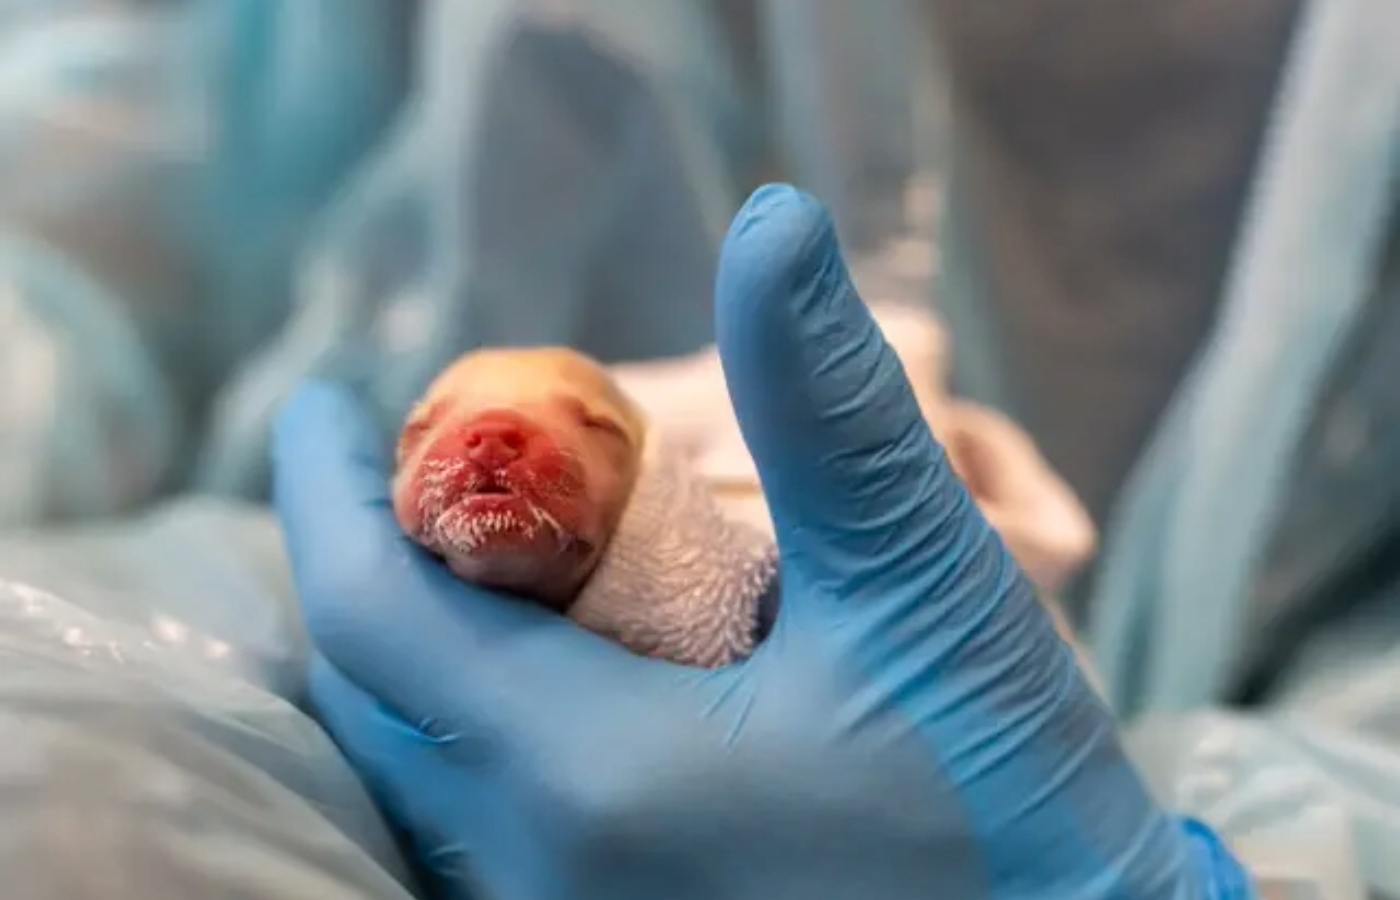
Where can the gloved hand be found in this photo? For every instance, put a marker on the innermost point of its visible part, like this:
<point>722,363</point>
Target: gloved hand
<point>912,727</point>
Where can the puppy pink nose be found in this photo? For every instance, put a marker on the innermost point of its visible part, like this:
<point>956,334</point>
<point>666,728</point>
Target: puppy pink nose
<point>494,440</point>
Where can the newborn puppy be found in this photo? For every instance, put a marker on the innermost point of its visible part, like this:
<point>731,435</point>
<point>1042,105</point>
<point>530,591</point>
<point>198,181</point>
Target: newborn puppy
<point>516,467</point>
<point>520,468</point>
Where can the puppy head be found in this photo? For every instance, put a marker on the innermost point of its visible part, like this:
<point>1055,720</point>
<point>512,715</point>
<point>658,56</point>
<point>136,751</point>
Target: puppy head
<point>515,468</point>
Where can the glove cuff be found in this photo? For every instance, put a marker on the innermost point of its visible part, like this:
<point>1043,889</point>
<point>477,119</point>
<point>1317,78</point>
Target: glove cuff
<point>1222,875</point>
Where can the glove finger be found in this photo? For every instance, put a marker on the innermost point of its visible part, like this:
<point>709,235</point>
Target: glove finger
<point>406,770</point>
<point>386,613</point>
<point>861,494</point>
<point>882,549</point>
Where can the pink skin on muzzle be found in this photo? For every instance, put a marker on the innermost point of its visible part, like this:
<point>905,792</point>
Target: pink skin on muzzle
<point>504,504</point>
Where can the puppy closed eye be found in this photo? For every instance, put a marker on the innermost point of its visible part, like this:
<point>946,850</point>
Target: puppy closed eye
<point>600,422</point>
<point>606,424</point>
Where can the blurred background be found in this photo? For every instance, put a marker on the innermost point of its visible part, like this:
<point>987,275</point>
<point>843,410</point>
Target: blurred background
<point>1162,238</point>
<point>204,201</point>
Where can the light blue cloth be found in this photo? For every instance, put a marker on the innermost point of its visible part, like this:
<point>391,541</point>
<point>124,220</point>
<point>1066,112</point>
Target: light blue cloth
<point>149,673</point>
<point>176,154</point>
<point>1096,186</point>
<point>88,426</point>
<point>1196,520</point>
<point>248,181</point>
<point>558,179</point>
<point>1261,516</point>
<point>856,108</point>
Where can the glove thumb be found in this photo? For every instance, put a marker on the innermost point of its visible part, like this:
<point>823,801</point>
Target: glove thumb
<point>861,495</point>
<point>884,551</point>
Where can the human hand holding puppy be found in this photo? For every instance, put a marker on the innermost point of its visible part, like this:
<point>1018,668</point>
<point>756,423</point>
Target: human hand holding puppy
<point>912,727</point>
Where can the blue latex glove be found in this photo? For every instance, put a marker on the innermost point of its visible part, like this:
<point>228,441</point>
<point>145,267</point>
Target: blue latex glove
<point>913,727</point>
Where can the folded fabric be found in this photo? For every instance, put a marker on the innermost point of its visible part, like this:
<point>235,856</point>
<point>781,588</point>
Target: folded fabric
<point>680,580</point>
